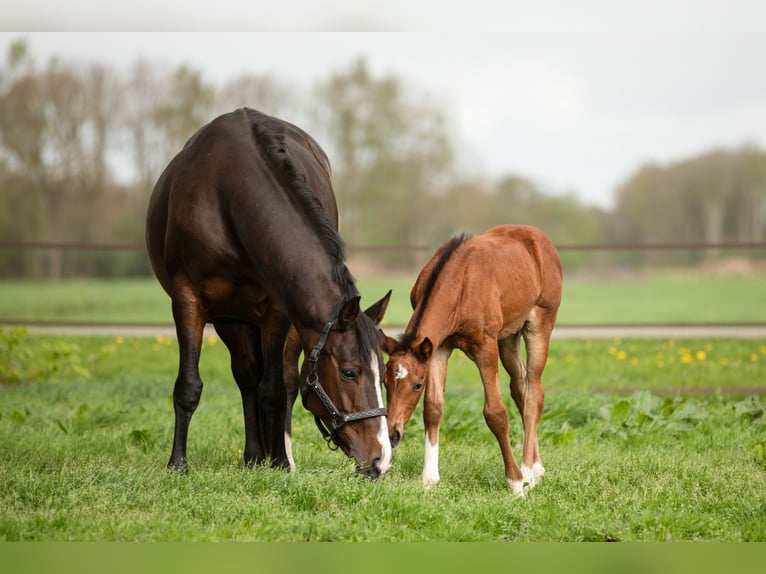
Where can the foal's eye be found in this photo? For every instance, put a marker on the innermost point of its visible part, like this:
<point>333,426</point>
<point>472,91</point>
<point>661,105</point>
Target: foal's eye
<point>417,386</point>
<point>349,374</point>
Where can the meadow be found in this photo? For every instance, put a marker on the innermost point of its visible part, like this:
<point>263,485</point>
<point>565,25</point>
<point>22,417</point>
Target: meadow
<point>639,441</point>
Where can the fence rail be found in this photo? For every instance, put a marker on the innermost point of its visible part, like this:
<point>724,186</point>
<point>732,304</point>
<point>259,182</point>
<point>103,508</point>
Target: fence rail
<point>730,329</point>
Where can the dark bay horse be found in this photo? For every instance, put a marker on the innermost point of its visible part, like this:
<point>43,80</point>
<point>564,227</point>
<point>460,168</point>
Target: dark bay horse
<point>480,294</point>
<point>242,233</point>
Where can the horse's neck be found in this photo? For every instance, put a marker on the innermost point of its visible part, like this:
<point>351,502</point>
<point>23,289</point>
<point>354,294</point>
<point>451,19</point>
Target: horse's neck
<point>310,305</point>
<point>437,322</point>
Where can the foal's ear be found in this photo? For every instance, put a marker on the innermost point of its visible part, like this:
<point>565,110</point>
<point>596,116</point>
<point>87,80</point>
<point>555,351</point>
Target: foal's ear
<point>377,310</point>
<point>387,344</point>
<point>424,350</point>
<point>348,313</point>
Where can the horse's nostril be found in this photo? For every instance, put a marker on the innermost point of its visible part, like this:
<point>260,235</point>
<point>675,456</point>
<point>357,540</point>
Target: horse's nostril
<point>395,438</point>
<point>374,471</point>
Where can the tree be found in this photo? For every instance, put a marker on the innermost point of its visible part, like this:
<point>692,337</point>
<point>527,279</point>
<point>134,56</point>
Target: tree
<point>713,197</point>
<point>391,155</point>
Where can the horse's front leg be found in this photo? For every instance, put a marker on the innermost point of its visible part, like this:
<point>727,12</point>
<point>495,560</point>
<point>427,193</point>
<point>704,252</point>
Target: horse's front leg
<point>496,415</point>
<point>272,395</point>
<point>292,386</point>
<point>433,409</point>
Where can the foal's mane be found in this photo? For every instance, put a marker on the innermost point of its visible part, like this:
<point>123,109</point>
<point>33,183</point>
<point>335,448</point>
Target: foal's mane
<point>448,250</point>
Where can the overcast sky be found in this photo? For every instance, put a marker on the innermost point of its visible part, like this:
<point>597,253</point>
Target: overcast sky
<point>575,95</point>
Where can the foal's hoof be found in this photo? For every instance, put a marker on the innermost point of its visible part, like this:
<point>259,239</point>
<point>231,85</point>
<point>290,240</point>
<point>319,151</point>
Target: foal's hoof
<point>531,477</point>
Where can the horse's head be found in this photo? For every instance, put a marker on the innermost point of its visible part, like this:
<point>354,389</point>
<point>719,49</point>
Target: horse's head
<point>405,380</point>
<point>343,387</point>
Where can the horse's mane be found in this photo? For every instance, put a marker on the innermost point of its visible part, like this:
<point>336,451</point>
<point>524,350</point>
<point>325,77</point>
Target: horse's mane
<point>447,251</point>
<point>269,136</point>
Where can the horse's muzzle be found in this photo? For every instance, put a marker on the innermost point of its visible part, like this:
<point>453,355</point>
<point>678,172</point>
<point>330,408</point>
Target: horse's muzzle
<point>371,471</point>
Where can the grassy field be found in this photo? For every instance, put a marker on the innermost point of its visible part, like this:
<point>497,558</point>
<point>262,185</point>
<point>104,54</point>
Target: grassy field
<point>86,425</point>
<point>651,298</point>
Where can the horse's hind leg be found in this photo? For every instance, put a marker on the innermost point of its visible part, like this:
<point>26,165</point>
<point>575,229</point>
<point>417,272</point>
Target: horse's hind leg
<point>244,344</point>
<point>526,398</point>
<point>495,413</point>
<point>190,324</point>
<point>537,335</point>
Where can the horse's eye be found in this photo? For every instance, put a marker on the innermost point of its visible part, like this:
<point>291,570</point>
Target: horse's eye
<point>417,386</point>
<point>349,374</point>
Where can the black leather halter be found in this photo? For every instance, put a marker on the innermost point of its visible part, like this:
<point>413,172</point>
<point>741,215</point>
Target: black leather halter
<point>338,419</point>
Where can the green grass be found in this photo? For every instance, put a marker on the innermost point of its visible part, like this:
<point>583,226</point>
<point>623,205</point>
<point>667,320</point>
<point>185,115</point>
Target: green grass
<point>651,298</point>
<point>86,430</point>
<point>679,297</point>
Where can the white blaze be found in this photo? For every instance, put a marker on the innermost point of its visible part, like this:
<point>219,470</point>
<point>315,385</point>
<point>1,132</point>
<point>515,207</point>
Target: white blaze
<point>400,373</point>
<point>385,442</point>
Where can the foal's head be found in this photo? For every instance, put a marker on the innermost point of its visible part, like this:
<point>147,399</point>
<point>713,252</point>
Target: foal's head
<point>405,379</point>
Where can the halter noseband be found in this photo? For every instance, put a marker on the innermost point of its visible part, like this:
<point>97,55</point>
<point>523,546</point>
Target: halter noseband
<point>338,419</point>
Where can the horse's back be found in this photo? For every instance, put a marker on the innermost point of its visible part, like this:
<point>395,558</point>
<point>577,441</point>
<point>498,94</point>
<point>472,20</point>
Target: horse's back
<point>228,181</point>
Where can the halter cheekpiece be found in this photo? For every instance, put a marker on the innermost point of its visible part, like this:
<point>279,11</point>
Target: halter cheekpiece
<point>338,419</point>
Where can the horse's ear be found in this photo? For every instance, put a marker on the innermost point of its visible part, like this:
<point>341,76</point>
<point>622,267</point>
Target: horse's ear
<point>348,313</point>
<point>424,350</point>
<point>387,344</point>
<point>377,310</point>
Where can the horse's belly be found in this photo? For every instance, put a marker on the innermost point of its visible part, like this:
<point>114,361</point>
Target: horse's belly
<point>224,300</point>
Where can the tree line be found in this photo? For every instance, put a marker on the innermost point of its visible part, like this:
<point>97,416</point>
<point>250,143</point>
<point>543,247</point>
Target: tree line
<point>81,145</point>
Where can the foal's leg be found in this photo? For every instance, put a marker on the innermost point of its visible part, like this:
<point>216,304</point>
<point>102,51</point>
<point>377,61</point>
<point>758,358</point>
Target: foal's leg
<point>495,413</point>
<point>244,344</point>
<point>537,335</point>
<point>292,386</point>
<point>510,355</point>
<point>190,323</point>
<point>433,408</point>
